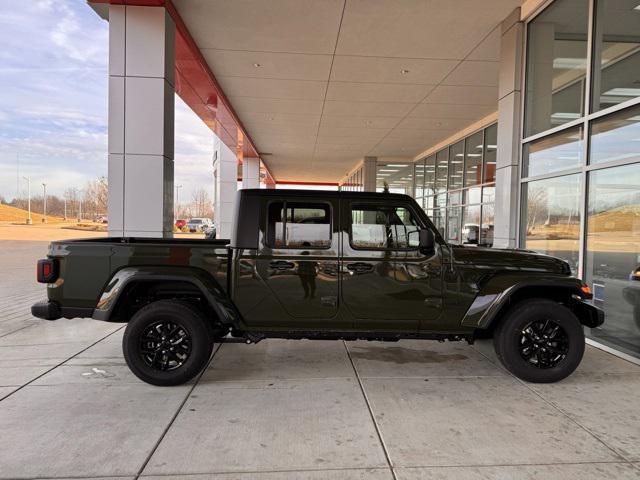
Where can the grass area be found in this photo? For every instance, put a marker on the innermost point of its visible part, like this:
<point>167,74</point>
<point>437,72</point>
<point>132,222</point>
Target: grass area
<point>18,215</point>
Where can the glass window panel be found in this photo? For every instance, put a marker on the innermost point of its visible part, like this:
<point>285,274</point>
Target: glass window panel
<point>381,226</point>
<point>299,225</point>
<point>488,194</point>
<point>399,177</point>
<point>455,198</point>
<point>472,195</point>
<point>442,166</point>
<point>553,153</point>
<point>429,202</point>
<point>616,54</point>
<point>419,178</point>
<point>490,150</point>
<point>438,218</point>
<point>486,229</point>
<point>471,225</point>
<point>456,165</point>
<point>453,224</point>
<point>612,257</point>
<point>430,175</point>
<point>474,145</point>
<point>551,217</point>
<point>616,136</point>
<point>556,65</point>
<point>441,200</point>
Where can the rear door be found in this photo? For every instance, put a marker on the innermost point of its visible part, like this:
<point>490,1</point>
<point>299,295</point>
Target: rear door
<point>387,283</point>
<point>298,263</point>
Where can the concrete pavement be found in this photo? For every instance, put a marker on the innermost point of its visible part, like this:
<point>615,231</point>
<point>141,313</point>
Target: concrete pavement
<point>289,410</point>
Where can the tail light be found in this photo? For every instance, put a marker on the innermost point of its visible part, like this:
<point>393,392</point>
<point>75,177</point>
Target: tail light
<point>47,270</point>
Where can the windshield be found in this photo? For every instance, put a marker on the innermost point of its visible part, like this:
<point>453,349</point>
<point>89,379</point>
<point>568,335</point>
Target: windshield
<point>196,220</point>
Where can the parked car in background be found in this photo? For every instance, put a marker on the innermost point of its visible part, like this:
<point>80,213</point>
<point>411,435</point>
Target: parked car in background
<point>101,219</point>
<point>198,224</point>
<point>181,223</point>
<point>210,232</point>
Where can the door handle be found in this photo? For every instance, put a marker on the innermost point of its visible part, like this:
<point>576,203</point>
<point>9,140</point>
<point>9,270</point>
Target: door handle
<point>359,267</point>
<point>282,265</point>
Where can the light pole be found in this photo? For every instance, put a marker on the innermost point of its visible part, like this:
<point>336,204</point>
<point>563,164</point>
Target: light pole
<point>44,206</point>
<point>28,179</point>
<point>65,208</point>
<point>177,206</point>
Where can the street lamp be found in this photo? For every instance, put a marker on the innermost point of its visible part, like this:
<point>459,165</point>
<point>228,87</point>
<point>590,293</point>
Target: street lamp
<point>44,206</point>
<point>177,205</point>
<point>28,179</point>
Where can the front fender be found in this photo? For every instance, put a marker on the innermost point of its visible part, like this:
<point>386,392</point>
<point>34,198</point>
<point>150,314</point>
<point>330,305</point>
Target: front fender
<point>202,280</point>
<point>495,294</point>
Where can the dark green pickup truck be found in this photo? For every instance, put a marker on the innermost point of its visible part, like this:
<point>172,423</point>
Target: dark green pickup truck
<point>319,265</point>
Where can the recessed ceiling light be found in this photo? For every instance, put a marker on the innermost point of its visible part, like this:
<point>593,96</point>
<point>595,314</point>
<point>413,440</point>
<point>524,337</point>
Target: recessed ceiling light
<point>637,7</point>
<point>404,71</point>
<point>257,65</point>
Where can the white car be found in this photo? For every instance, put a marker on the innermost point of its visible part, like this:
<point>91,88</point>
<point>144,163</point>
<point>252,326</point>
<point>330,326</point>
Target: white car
<point>199,224</point>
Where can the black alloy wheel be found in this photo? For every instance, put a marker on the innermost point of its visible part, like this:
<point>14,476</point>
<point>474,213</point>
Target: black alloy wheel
<point>167,342</point>
<point>544,343</point>
<point>165,346</point>
<point>539,340</point>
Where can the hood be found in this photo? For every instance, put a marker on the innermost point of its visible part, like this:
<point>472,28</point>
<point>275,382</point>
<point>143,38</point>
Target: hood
<point>509,259</point>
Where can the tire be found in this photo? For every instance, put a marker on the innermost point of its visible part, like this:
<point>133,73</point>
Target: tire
<point>155,330</point>
<point>521,345</point>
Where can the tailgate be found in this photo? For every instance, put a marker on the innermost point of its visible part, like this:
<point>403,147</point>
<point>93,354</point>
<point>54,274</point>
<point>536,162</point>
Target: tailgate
<point>83,270</point>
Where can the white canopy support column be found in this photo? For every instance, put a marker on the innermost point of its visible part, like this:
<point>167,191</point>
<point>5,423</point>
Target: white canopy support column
<point>141,121</point>
<point>369,174</point>
<point>509,119</point>
<point>251,173</point>
<point>225,175</point>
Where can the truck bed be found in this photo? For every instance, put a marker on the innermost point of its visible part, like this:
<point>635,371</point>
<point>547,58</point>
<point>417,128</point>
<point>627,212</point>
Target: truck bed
<point>94,261</point>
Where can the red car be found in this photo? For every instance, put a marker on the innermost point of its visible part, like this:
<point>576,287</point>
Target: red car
<point>181,223</point>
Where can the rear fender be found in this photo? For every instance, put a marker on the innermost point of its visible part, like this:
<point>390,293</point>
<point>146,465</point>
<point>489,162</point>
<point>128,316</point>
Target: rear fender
<point>497,293</point>
<point>201,280</point>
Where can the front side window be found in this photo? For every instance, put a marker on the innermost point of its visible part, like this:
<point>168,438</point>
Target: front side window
<point>383,227</point>
<point>299,225</point>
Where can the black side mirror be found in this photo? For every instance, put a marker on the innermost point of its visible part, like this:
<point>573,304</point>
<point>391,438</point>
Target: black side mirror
<point>427,240</point>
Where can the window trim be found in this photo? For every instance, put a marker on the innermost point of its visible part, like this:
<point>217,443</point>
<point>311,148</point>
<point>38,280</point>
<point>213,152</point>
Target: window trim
<point>284,226</point>
<point>385,204</point>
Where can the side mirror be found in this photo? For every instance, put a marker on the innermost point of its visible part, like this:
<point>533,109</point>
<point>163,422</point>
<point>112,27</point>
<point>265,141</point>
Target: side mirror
<point>427,240</point>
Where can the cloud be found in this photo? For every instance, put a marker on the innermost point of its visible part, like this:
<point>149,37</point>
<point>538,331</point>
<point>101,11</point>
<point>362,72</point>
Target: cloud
<point>53,107</point>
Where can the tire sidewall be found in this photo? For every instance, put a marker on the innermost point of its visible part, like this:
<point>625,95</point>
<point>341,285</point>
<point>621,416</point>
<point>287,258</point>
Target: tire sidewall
<point>509,332</point>
<point>176,312</point>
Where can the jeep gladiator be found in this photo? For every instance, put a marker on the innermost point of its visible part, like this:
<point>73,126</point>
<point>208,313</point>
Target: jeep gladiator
<point>319,265</point>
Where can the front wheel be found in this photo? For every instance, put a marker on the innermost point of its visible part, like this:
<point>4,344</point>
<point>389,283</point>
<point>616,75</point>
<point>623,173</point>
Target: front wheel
<point>540,341</point>
<point>167,343</point>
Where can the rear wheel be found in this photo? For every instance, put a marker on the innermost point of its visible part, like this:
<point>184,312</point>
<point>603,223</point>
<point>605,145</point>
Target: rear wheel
<point>167,343</point>
<point>540,341</point>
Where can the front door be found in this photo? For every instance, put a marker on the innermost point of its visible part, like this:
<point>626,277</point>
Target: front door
<point>387,282</point>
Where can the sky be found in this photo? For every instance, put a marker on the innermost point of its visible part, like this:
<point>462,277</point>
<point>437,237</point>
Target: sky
<point>53,102</point>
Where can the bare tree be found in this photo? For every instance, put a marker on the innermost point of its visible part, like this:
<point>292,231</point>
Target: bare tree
<point>536,205</point>
<point>201,204</point>
<point>95,197</point>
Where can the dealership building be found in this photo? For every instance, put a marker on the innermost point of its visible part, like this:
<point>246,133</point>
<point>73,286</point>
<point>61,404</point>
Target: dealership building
<point>514,124</point>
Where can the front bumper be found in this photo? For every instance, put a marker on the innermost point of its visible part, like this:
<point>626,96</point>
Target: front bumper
<point>48,310</point>
<point>589,315</point>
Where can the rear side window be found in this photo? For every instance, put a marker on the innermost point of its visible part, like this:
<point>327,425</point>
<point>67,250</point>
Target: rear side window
<point>383,227</point>
<point>299,225</point>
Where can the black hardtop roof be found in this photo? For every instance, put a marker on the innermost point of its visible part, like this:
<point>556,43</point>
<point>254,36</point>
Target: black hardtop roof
<point>320,194</point>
